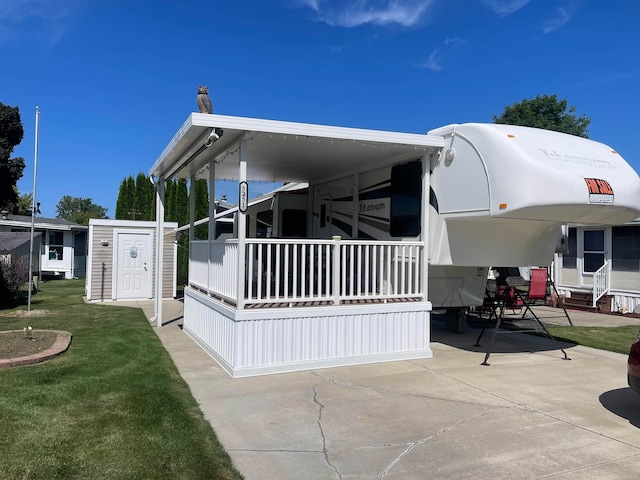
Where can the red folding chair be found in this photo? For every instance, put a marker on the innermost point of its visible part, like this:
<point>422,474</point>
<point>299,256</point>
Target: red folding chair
<point>537,290</point>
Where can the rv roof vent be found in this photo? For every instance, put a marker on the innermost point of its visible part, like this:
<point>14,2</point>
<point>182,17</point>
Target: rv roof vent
<point>5,214</point>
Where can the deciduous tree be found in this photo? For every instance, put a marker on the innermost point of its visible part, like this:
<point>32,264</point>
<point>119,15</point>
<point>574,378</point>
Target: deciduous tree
<point>11,133</point>
<point>547,112</point>
<point>24,206</point>
<point>79,210</point>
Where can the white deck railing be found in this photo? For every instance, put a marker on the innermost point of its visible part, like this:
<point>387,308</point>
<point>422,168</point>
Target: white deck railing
<point>601,282</point>
<point>293,271</point>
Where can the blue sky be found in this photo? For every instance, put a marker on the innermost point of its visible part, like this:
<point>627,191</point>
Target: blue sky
<point>115,79</point>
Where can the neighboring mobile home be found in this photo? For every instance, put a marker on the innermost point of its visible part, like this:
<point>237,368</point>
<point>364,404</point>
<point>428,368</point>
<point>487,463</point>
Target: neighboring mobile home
<point>395,225</point>
<point>122,259</point>
<point>15,248</point>
<point>601,268</point>
<point>64,244</point>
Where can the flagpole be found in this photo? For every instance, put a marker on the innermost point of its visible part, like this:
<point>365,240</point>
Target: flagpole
<point>33,209</point>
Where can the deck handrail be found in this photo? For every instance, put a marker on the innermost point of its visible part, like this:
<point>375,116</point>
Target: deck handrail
<point>601,282</point>
<point>288,271</point>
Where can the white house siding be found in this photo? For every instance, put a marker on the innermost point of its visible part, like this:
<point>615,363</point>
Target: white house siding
<point>625,281</point>
<point>63,266</point>
<point>624,286</point>
<point>569,276</point>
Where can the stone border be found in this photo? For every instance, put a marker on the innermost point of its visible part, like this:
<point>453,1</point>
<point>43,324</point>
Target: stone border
<point>61,345</point>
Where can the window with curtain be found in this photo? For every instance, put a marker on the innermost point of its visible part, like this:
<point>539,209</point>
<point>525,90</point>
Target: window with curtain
<point>56,245</point>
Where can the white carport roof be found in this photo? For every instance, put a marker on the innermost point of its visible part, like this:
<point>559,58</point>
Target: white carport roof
<point>279,151</point>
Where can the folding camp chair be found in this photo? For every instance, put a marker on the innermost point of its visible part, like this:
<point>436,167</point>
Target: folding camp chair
<point>537,290</point>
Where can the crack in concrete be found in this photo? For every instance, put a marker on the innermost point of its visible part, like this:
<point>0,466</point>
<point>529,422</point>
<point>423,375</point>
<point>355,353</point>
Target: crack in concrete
<point>430,437</point>
<point>511,405</point>
<point>405,394</point>
<point>486,392</point>
<point>324,438</point>
<point>529,408</point>
<point>599,464</point>
<point>405,452</point>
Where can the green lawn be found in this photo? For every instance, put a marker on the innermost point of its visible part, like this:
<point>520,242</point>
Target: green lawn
<point>614,339</point>
<point>112,407</point>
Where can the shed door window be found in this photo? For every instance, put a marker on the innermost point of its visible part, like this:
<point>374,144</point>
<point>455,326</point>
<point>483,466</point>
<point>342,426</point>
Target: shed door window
<point>593,250</point>
<point>56,245</point>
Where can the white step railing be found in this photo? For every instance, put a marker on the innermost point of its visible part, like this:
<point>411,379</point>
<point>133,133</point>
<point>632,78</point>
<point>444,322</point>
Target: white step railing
<point>292,271</point>
<point>601,282</point>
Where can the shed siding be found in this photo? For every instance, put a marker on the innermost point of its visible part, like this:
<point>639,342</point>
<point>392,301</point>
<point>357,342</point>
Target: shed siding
<point>168,260</point>
<point>101,263</point>
<point>168,265</point>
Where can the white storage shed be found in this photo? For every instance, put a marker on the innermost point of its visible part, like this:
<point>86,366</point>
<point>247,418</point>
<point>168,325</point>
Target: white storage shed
<point>122,261</point>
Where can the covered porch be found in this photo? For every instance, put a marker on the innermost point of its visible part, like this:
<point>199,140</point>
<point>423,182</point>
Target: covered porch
<point>283,303</point>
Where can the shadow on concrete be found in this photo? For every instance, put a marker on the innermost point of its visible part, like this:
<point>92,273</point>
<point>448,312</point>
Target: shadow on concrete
<point>173,320</point>
<point>505,342</point>
<point>624,402</point>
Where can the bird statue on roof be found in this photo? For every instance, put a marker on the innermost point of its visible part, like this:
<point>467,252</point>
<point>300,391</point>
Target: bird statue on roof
<point>203,100</point>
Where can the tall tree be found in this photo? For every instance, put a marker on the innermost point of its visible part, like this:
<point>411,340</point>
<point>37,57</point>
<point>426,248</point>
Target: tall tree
<point>180,211</point>
<point>136,199</point>
<point>547,112</point>
<point>79,210</point>
<point>182,202</point>
<point>201,208</point>
<point>170,201</point>
<point>11,133</point>
<point>124,203</point>
<point>144,199</point>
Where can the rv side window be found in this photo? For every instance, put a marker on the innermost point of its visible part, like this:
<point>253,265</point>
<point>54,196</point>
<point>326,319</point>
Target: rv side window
<point>224,228</point>
<point>294,223</point>
<point>625,249</point>
<point>264,223</point>
<point>569,259</point>
<point>406,195</point>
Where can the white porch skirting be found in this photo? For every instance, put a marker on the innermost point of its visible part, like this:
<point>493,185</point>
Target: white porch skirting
<point>276,340</point>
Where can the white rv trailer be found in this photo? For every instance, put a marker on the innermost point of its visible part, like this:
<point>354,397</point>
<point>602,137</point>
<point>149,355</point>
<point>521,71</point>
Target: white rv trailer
<point>395,225</point>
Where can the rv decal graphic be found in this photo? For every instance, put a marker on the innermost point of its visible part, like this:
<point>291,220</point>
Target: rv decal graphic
<point>372,207</point>
<point>600,191</point>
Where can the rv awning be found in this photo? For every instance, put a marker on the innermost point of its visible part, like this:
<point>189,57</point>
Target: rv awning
<point>282,151</point>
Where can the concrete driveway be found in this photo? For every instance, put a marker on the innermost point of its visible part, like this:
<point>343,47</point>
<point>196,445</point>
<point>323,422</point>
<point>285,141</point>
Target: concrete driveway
<point>530,415</point>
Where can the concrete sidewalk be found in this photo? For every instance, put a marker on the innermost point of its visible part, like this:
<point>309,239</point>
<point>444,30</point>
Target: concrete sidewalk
<point>530,415</point>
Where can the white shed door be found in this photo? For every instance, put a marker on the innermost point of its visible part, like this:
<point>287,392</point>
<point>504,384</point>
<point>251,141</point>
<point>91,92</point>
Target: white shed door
<point>133,269</point>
